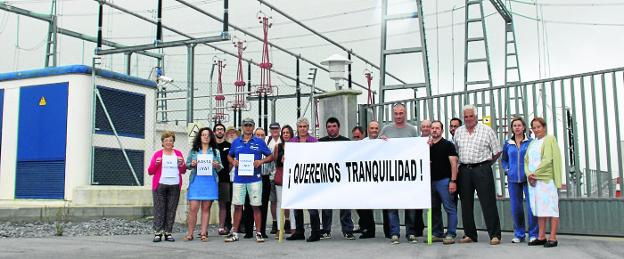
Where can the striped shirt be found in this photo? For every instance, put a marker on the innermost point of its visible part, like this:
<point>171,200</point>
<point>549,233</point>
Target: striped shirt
<point>477,147</point>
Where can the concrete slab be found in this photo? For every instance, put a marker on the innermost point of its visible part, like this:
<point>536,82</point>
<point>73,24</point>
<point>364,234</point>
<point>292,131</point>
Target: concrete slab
<point>140,246</point>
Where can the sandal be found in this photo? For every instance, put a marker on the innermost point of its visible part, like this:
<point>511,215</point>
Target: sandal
<point>203,238</point>
<point>188,238</point>
<point>157,238</point>
<point>222,232</point>
<point>169,237</point>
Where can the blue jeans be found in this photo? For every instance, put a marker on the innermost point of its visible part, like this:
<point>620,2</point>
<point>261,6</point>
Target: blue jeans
<point>410,222</point>
<point>345,221</point>
<point>440,195</point>
<point>517,211</point>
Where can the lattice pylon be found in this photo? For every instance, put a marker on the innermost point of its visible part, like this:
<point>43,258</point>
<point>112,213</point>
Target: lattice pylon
<point>369,79</point>
<point>265,87</point>
<point>219,108</point>
<point>239,99</point>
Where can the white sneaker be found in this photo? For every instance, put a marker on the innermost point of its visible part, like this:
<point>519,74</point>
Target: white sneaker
<point>395,240</point>
<point>516,240</point>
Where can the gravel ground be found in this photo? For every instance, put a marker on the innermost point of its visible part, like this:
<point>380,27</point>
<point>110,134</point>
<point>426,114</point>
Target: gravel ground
<point>96,227</point>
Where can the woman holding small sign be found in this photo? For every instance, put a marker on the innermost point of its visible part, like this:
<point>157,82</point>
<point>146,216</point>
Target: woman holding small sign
<point>205,161</point>
<point>167,166</point>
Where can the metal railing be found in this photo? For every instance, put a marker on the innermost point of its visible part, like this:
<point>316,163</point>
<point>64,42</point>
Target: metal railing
<point>581,111</point>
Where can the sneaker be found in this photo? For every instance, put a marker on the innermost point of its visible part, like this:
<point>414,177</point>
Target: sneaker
<point>395,240</point>
<point>494,241</point>
<point>448,240</point>
<point>516,240</point>
<point>436,239</point>
<point>349,236</point>
<point>259,238</point>
<point>326,235</point>
<point>412,239</point>
<point>232,237</point>
<point>466,240</point>
<point>532,239</point>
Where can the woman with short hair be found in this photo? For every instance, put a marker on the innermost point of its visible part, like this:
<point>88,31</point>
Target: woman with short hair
<point>167,166</point>
<point>204,160</point>
<point>542,165</point>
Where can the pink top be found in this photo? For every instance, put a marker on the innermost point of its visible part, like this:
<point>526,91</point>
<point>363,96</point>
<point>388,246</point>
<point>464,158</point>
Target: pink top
<point>156,170</point>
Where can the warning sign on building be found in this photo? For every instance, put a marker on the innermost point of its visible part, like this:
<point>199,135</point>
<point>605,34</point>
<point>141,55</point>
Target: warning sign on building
<point>42,101</point>
<point>487,120</point>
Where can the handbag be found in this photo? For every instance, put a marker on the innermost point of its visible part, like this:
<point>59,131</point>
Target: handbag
<point>279,175</point>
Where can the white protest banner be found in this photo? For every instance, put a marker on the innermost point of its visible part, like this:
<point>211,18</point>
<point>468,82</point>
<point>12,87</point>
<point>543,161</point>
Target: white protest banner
<point>204,164</point>
<point>375,174</point>
<point>245,165</point>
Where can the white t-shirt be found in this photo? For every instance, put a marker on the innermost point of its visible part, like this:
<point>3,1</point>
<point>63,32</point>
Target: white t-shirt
<point>535,154</point>
<point>169,174</point>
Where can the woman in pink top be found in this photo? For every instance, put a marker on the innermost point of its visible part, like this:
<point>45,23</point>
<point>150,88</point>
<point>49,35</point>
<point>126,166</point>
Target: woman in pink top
<point>167,167</point>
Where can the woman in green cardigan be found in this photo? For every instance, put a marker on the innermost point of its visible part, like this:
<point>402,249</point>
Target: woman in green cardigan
<point>543,169</point>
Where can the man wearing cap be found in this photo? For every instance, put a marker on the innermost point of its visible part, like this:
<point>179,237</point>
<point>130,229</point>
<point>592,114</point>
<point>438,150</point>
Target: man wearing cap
<point>246,157</point>
<point>268,186</point>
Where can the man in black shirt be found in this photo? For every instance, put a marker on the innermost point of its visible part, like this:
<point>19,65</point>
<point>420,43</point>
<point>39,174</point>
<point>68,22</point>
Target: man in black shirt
<point>225,185</point>
<point>443,184</point>
<point>333,134</point>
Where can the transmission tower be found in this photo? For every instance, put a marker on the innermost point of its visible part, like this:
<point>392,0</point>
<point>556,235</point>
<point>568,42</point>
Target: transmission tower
<point>219,116</point>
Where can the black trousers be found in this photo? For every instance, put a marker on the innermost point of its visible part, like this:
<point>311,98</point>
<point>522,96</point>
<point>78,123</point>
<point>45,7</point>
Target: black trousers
<point>366,221</point>
<point>248,218</point>
<point>315,221</point>
<point>166,199</point>
<point>266,192</point>
<point>481,179</point>
<point>228,212</point>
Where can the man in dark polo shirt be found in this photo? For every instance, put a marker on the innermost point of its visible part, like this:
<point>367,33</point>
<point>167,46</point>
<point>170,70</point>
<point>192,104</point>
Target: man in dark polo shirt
<point>443,184</point>
<point>333,134</point>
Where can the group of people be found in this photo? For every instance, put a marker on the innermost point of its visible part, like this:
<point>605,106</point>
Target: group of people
<point>247,171</point>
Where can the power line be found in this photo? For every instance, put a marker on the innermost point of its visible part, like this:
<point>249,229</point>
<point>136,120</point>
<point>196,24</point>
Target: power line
<point>569,22</point>
<point>570,4</point>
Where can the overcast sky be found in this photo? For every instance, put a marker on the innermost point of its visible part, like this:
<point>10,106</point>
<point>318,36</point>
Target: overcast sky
<point>566,43</point>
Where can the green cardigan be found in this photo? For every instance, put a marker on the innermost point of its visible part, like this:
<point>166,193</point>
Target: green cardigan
<point>550,165</point>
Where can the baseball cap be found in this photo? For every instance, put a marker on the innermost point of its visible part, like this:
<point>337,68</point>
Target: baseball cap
<point>274,125</point>
<point>248,121</point>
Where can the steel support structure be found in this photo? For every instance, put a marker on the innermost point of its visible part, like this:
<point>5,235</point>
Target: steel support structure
<point>349,51</point>
<point>190,81</point>
<point>236,28</point>
<point>50,20</point>
<point>52,40</point>
<point>385,52</point>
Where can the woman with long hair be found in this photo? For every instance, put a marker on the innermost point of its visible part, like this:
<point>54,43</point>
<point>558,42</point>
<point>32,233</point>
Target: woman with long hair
<point>285,136</point>
<point>204,160</point>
